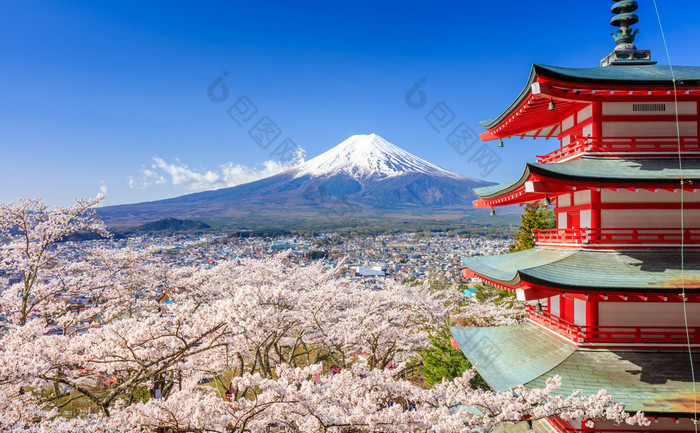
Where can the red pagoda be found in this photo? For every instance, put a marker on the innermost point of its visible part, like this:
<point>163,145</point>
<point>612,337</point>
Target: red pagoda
<point>617,283</point>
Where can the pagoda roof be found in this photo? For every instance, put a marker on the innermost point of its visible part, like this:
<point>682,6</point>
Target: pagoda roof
<point>496,351</point>
<point>601,170</point>
<point>627,74</point>
<point>589,271</point>
<point>656,382</point>
<point>538,425</point>
<point>540,122</point>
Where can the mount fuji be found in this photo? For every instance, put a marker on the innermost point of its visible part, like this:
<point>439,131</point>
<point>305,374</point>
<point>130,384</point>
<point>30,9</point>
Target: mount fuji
<point>368,156</point>
<point>364,176</point>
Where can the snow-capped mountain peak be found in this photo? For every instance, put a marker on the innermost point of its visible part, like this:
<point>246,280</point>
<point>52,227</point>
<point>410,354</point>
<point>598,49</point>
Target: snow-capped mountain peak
<point>362,176</point>
<point>368,155</point>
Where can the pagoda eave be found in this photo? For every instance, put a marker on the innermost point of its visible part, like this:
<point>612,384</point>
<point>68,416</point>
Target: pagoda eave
<point>524,194</point>
<point>523,290</point>
<point>656,382</point>
<point>531,291</point>
<point>533,189</point>
<point>592,272</point>
<point>531,114</point>
<point>540,181</point>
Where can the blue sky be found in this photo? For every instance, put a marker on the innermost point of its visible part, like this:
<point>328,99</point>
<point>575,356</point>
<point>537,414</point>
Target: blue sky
<point>113,95</point>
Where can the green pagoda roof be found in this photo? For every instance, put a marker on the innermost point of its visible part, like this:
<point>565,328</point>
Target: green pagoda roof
<point>539,425</point>
<point>637,75</point>
<point>498,189</point>
<point>623,74</point>
<point>501,358</point>
<point>647,271</point>
<point>604,169</point>
<point>656,382</point>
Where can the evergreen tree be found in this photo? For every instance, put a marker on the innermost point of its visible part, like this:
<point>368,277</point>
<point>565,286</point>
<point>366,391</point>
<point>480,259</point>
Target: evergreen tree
<point>534,217</point>
<point>441,360</point>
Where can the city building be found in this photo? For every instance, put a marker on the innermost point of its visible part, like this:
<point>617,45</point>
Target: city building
<point>615,288</point>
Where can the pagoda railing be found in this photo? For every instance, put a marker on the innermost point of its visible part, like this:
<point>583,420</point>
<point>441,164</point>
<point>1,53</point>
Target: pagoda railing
<point>565,427</point>
<point>560,326</point>
<point>625,236</point>
<point>575,430</point>
<point>614,334</point>
<point>622,145</point>
<point>562,426</point>
<point>560,236</point>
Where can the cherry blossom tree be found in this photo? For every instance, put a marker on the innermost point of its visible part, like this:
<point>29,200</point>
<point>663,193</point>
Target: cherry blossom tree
<point>359,399</point>
<point>35,247</point>
<point>245,346</point>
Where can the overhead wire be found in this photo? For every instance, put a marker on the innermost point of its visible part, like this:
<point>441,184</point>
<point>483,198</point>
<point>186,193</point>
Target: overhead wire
<point>683,183</point>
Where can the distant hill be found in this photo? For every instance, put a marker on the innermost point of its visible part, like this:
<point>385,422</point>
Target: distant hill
<point>171,225</point>
<point>363,178</point>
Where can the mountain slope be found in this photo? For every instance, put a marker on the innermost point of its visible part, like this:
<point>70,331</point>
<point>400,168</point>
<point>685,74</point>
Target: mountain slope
<point>363,176</point>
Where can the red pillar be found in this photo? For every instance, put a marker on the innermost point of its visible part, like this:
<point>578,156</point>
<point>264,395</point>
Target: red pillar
<point>595,209</point>
<point>591,313</point>
<point>597,112</point>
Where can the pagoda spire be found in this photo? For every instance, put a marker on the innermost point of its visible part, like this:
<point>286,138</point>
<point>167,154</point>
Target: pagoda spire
<point>626,53</point>
<point>623,19</point>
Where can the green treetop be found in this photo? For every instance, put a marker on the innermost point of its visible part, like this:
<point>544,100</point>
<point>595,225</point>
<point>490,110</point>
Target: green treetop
<point>534,217</point>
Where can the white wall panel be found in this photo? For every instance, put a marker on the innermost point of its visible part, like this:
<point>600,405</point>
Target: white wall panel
<point>585,216</point>
<point>587,131</point>
<point>647,314</point>
<point>563,200</point>
<point>554,306</point>
<point>584,113</point>
<point>582,197</point>
<point>649,218</point>
<point>642,196</point>
<point>648,129</point>
<point>561,220</point>
<point>579,312</point>
<point>628,108</point>
<point>567,123</point>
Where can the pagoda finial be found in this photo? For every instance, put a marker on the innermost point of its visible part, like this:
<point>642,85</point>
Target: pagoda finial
<point>623,19</point>
<point>625,52</point>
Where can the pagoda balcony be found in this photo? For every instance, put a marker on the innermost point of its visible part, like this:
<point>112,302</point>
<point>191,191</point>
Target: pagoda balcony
<point>622,146</point>
<point>618,237</point>
<point>618,336</point>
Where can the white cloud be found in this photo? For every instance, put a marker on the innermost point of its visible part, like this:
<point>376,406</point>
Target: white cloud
<point>103,187</point>
<point>179,174</point>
